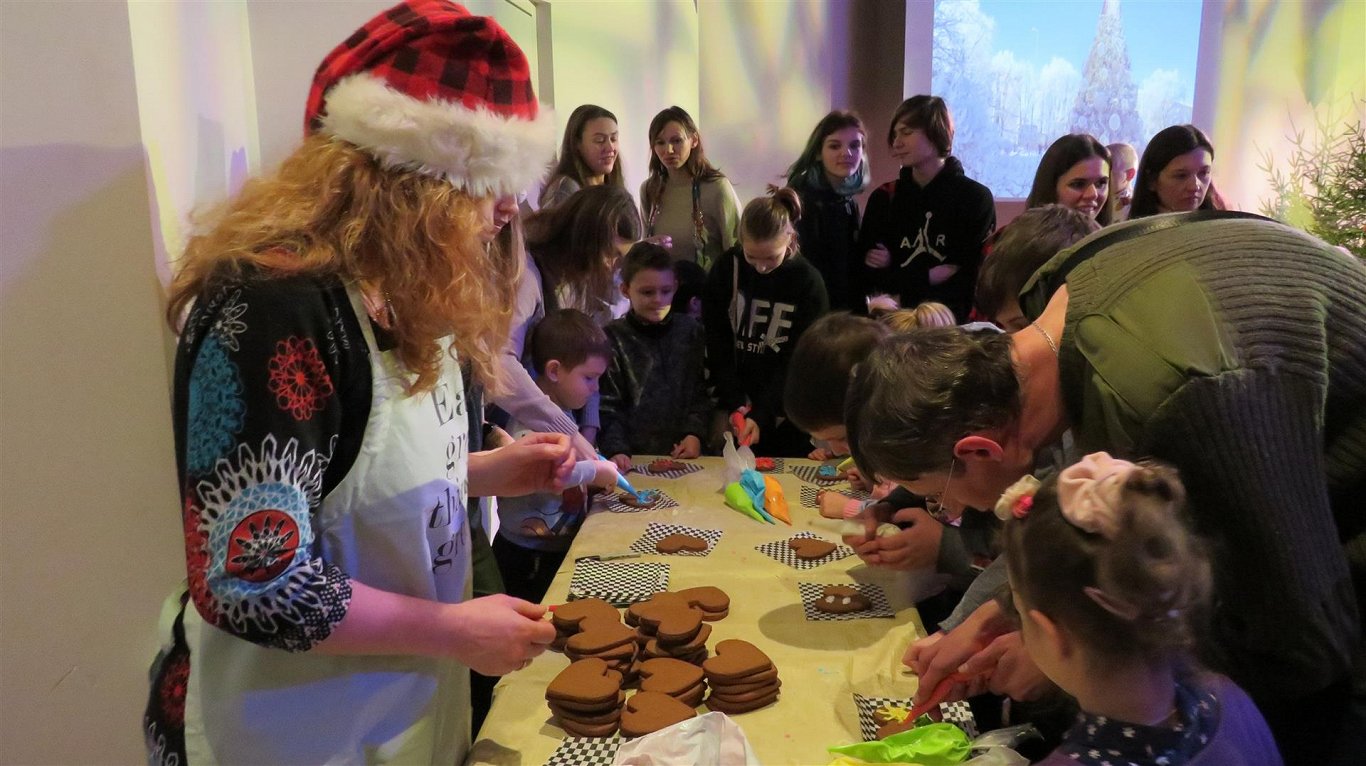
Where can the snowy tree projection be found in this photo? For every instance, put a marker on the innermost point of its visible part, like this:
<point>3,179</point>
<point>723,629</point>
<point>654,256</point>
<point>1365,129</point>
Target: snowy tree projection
<point>1105,106</point>
<point>1019,75</point>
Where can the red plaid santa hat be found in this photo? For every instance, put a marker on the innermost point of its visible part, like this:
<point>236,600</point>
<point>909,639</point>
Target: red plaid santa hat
<point>426,85</point>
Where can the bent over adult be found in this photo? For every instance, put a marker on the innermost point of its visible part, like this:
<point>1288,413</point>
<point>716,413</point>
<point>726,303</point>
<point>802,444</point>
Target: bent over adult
<point>1229,346</point>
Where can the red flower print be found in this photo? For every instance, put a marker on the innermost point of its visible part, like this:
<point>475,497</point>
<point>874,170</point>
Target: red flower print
<point>262,545</point>
<point>298,378</point>
<point>175,678</point>
<point>197,563</point>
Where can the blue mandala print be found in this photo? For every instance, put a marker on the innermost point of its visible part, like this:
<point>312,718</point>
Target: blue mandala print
<point>216,408</point>
<point>225,579</point>
<point>267,582</point>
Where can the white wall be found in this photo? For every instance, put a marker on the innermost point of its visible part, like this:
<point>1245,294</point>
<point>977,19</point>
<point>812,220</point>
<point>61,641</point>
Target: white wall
<point>89,542</point>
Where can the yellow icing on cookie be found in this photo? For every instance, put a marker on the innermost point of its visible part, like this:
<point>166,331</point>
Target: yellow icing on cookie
<point>895,713</point>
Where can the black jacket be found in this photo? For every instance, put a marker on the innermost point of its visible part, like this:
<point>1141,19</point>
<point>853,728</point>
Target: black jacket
<point>828,233</point>
<point>944,223</point>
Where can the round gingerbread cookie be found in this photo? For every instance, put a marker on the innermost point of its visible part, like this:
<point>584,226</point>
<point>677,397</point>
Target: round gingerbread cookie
<point>842,599</point>
<point>643,499</point>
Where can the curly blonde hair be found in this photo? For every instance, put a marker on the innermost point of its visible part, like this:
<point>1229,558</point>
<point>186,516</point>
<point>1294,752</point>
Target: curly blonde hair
<point>332,209</point>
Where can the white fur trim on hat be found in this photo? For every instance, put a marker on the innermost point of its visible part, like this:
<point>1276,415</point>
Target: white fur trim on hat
<point>476,150</point>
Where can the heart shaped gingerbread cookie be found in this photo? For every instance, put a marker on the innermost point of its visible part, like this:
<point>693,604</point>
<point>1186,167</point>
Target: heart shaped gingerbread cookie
<point>810,548</point>
<point>598,636</point>
<point>735,658</point>
<point>585,682</point>
<point>648,712</point>
<point>679,543</point>
<point>669,676</point>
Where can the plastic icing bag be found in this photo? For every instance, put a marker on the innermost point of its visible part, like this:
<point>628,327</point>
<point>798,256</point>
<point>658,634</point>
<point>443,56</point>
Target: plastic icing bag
<point>774,500</point>
<point>935,744</point>
<point>737,498</point>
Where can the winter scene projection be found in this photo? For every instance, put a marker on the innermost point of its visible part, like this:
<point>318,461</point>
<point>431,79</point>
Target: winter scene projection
<point>1018,75</point>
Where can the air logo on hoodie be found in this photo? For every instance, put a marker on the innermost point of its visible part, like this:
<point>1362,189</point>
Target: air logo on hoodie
<point>922,245</point>
<point>762,328</point>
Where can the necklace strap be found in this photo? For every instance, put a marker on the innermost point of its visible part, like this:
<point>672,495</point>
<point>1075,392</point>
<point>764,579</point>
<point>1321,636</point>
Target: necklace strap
<point>1052,344</point>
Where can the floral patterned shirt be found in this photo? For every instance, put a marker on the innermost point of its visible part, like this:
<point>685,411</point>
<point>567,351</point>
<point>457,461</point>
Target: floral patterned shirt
<point>272,393</point>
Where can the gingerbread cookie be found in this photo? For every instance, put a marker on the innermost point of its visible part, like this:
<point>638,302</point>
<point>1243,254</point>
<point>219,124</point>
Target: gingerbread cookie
<point>827,473</point>
<point>648,712</point>
<point>735,659</point>
<point>811,548</point>
<point>764,464</point>
<point>842,599</point>
<point>890,713</point>
<point>666,675</point>
<point>734,708</point>
<point>585,682</point>
<point>599,636</point>
<point>664,465</point>
<point>642,499</point>
<point>678,543</point>
<point>895,727</point>
<point>656,647</point>
<point>713,601</point>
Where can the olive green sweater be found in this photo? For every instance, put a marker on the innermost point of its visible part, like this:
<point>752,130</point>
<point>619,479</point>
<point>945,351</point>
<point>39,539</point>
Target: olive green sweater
<point>1235,349</point>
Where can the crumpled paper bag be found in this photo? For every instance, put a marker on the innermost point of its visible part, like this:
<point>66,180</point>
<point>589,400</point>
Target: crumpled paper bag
<point>710,738</point>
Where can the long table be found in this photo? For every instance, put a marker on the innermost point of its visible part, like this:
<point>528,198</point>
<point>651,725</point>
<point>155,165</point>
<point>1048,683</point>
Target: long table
<point>821,664</point>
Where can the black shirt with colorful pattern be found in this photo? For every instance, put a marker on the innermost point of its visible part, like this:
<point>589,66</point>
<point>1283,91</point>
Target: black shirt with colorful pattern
<point>272,392</point>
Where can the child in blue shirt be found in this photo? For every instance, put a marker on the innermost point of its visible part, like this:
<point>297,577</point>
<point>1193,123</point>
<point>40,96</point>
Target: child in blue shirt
<point>570,353</point>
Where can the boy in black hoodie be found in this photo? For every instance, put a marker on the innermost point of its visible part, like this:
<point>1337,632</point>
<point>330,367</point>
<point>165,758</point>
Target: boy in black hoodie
<point>923,234</point>
<point>759,299</point>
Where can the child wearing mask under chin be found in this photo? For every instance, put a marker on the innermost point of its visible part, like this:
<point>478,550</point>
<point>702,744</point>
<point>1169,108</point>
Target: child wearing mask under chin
<point>1108,582</point>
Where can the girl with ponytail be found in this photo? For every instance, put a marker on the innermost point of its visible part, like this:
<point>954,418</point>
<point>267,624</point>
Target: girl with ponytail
<point>759,298</point>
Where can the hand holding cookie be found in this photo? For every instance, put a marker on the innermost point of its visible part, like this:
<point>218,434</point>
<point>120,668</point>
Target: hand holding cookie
<point>496,635</point>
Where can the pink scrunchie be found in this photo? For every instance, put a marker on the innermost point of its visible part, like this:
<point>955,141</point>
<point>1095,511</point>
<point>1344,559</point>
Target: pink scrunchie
<point>1088,493</point>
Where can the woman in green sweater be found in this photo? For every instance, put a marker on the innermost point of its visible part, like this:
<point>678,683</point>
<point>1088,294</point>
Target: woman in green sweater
<point>690,206</point>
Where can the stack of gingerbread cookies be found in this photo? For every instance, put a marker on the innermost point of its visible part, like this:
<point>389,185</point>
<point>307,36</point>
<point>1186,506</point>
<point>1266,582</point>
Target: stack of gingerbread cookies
<point>742,678</point>
<point>605,639</point>
<point>673,624</point>
<point>586,698</point>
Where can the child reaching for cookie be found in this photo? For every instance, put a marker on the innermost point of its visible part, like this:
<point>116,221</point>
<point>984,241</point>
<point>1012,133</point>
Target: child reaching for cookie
<point>654,397</point>
<point>1109,582</point>
<point>569,352</point>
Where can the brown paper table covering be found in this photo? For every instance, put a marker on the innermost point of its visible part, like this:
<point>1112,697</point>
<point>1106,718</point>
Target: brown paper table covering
<point>821,664</point>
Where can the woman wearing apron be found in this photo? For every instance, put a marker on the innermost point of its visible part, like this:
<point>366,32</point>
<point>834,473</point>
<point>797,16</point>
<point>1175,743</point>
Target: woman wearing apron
<point>330,315</point>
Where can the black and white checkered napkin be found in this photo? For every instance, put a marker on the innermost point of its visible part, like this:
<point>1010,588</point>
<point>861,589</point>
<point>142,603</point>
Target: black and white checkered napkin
<point>656,532</point>
<point>780,550</point>
<point>586,751</point>
<point>618,582</point>
<point>644,470</point>
<point>811,593</point>
<point>807,473</point>
<point>615,505</point>
<point>956,713</point>
<point>809,494</point>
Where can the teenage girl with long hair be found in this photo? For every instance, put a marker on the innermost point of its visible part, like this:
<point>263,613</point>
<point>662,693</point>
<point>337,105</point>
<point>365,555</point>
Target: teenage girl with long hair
<point>689,206</point>
<point>588,155</point>
<point>831,171</point>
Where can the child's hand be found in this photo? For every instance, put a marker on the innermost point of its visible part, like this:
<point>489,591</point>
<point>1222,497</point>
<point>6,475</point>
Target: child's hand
<point>748,433</point>
<point>832,503</point>
<point>915,547</point>
<point>882,303</point>
<point>606,474</point>
<point>878,257</point>
<point>623,464</point>
<point>856,480</point>
<point>821,454</point>
<point>687,449</point>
